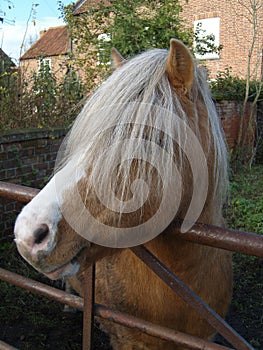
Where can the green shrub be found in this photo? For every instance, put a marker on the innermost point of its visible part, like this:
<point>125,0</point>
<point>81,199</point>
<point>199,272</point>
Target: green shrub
<point>232,88</point>
<point>40,100</point>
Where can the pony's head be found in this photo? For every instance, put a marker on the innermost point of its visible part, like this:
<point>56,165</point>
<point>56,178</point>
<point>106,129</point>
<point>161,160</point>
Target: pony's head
<point>146,149</point>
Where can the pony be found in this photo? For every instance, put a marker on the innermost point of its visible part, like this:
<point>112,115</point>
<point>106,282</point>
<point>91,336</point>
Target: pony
<point>146,148</point>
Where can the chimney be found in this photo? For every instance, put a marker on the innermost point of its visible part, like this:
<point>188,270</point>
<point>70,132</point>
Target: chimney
<point>42,32</point>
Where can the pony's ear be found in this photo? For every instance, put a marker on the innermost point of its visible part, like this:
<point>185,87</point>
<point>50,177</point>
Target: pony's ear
<point>117,58</point>
<point>180,65</point>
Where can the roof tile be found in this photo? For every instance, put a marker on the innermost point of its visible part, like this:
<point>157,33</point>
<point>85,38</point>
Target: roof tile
<point>55,41</point>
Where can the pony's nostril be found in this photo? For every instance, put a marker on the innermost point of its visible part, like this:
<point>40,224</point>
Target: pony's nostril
<point>41,233</point>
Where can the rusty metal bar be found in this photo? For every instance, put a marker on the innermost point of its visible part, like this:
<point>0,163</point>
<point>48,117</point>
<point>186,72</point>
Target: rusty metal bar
<point>236,241</point>
<point>88,312</point>
<point>116,316</point>
<point>42,289</point>
<point>191,298</point>
<point>182,339</point>
<point>17,192</point>
<point>4,346</point>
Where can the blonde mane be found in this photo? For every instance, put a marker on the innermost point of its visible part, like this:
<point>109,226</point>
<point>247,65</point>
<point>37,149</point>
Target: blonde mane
<point>138,106</point>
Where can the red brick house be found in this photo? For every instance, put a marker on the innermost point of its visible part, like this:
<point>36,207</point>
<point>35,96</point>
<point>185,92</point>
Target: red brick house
<point>231,23</point>
<point>53,47</point>
<point>228,20</point>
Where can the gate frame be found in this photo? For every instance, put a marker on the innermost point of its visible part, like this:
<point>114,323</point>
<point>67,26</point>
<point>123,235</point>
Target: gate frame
<point>237,241</point>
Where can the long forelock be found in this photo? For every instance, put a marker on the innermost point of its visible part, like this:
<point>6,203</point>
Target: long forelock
<point>137,103</point>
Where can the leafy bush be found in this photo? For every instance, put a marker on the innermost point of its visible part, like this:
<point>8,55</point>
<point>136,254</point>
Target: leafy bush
<point>39,101</point>
<point>232,88</point>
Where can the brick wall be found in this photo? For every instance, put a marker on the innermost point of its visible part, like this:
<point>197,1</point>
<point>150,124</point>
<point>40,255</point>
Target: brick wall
<point>58,66</point>
<point>26,157</point>
<point>235,32</point>
<point>229,113</point>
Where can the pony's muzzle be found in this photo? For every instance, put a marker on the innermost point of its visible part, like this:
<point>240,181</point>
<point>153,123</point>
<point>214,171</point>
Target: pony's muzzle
<point>34,243</point>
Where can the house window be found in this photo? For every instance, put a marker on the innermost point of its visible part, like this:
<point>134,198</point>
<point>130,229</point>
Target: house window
<point>206,28</point>
<point>103,53</point>
<point>44,62</point>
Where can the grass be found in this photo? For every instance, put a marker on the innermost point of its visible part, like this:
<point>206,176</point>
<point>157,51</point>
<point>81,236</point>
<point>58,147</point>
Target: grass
<point>245,213</point>
<point>245,208</point>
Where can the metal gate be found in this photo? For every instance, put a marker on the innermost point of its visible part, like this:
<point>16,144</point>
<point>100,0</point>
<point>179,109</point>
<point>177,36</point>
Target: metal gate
<point>237,241</point>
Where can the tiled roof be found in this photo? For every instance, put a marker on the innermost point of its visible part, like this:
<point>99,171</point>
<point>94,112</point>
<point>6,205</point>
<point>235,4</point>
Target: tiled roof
<point>53,42</point>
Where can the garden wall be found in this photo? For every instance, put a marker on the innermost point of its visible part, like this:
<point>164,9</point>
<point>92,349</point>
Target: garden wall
<point>27,157</point>
<point>229,113</point>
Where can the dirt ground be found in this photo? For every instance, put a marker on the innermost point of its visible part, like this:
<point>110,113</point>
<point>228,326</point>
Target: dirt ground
<point>32,322</point>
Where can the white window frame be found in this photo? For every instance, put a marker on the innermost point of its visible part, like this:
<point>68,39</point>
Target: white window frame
<point>46,61</point>
<point>103,37</point>
<point>210,26</point>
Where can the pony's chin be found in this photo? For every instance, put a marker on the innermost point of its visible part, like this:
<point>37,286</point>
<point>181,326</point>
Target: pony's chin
<point>66,270</point>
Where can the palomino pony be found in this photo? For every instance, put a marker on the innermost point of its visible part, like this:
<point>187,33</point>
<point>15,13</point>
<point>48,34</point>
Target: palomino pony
<point>152,114</point>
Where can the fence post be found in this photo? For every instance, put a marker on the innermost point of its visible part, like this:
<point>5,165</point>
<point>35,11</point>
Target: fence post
<point>88,310</point>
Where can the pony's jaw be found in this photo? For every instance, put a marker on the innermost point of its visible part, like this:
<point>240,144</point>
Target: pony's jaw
<point>69,269</point>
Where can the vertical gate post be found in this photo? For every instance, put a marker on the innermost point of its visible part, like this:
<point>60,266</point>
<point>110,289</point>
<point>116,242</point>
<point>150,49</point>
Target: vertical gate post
<point>88,310</point>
